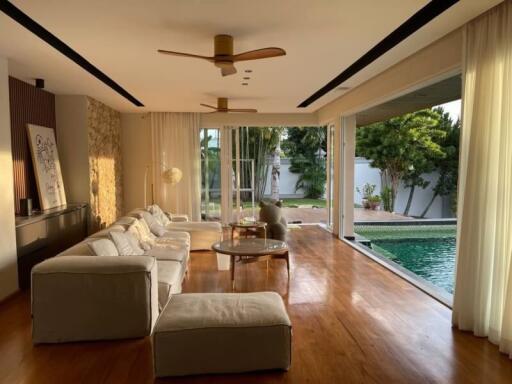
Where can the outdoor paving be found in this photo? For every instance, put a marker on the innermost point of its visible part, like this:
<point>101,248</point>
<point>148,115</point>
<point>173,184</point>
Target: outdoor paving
<point>361,214</point>
<point>319,215</point>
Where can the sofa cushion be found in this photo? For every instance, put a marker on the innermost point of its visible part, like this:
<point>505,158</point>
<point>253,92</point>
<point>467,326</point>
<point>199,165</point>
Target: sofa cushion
<point>158,230</point>
<point>125,243</point>
<point>141,231</point>
<point>175,235</point>
<point>169,272</point>
<point>105,232</point>
<point>135,243</point>
<point>146,230</point>
<point>103,247</point>
<point>158,214</point>
<point>170,275</point>
<point>125,221</point>
<point>80,249</point>
<point>226,310</point>
<point>176,252</point>
<point>195,226</point>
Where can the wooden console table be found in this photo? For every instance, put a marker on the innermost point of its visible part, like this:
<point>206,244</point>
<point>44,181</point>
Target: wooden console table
<point>45,234</point>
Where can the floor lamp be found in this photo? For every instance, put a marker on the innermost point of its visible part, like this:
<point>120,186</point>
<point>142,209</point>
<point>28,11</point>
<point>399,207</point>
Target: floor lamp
<point>171,176</point>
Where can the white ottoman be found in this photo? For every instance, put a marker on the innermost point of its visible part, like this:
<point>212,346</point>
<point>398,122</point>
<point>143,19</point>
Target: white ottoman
<point>201,333</point>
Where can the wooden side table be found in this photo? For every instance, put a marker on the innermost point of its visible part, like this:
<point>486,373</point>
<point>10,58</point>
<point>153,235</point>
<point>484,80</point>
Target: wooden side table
<point>248,228</point>
<point>251,250</point>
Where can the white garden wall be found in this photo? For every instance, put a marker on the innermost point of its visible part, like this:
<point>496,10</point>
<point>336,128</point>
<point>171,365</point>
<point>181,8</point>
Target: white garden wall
<point>366,174</point>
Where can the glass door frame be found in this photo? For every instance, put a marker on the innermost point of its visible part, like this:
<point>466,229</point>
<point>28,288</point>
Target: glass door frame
<point>330,176</point>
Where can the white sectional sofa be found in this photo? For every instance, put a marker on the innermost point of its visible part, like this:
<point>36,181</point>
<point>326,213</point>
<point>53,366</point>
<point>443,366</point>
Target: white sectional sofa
<point>80,295</point>
<point>114,283</point>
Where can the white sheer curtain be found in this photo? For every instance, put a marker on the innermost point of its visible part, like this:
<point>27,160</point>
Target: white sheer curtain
<point>226,174</point>
<point>483,291</point>
<point>176,143</point>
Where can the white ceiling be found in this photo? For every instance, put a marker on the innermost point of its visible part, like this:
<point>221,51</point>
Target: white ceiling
<point>120,37</point>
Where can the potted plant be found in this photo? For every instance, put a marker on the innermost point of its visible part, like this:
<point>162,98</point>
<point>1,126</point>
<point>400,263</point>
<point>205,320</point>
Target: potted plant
<point>374,202</point>
<point>367,195</point>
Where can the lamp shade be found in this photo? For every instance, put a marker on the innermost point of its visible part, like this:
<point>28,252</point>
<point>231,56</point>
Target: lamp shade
<point>172,176</point>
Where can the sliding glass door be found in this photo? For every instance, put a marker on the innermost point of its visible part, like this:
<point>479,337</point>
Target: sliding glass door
<point>210,174</point>
<point>330,176</point>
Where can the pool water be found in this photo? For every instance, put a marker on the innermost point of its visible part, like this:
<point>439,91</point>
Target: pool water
<point>426,250</point>
<point>433,259</point>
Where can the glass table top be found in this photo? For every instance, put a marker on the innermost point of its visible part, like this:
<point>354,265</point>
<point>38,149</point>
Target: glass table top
<point>250,247</point>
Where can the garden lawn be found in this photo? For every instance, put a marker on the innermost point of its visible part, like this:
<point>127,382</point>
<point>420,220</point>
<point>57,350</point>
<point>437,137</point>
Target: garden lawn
<point>295,202</point>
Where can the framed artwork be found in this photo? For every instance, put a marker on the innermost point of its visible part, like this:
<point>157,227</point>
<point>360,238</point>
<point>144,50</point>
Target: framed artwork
<point>45,158</point>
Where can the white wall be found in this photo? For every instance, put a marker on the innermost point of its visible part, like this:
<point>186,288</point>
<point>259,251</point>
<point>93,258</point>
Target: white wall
<point>8,257</point>
<point>366,174</point>
<point>72,140</point>
<point>287,181</point>
<point>136,155</point>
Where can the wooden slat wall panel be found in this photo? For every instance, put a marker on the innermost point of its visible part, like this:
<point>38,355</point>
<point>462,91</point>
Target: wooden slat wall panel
<point>28,105</point>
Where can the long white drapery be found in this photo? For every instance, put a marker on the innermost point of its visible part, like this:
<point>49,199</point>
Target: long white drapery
<point>176,143</point>
<point>483,291</point>
<point>226,174</point>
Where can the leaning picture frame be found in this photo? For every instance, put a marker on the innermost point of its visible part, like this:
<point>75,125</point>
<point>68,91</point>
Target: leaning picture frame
<point>45,158</point>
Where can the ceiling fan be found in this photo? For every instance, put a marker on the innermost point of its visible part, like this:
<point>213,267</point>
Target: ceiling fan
<point>222,106</point>
<point>224,57</point>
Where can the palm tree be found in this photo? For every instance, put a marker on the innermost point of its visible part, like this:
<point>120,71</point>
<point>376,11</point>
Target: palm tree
<point>276,169</point>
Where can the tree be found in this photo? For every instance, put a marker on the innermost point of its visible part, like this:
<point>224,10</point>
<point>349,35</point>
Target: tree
<point>276,169</point>
<point>402,148</point>
<point>257,143</point>
<point>306,147</point>
<point>447,166</point>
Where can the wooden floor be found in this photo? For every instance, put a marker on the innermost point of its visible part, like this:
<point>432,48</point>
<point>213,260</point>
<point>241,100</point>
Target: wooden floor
<point>353,322</point>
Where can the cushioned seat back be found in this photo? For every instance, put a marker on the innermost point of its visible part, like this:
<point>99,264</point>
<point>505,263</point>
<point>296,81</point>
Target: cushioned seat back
<point>80,249</point>
<point>125,221</point>
<point>104,232</point>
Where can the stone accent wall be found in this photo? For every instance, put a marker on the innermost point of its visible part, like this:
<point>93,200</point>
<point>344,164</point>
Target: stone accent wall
<point>104,131</point>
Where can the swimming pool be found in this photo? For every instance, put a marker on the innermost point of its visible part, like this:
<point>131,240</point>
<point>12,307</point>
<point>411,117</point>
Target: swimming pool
<point>426,250</point>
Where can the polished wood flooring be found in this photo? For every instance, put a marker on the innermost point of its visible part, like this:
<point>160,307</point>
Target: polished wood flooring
<point>353,322</point>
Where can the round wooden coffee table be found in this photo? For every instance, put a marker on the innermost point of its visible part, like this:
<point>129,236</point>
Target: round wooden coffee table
<point>251,250</point>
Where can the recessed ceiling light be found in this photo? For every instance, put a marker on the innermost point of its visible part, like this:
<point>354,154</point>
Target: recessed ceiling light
<point>248,71</point>
<point>245,83</point>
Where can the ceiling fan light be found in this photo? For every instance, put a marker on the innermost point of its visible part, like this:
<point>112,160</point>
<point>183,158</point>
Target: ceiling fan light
<point>223,64</point>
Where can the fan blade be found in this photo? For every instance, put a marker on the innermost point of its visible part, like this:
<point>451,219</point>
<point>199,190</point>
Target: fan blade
<point>185,55</point>
<point>226,71</point>
<point>208,106</point>
<point>242,110</point>
<point>263,53</point>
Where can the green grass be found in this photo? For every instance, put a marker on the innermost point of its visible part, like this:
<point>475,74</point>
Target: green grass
<point>293,203</point>
<point>289,203</point>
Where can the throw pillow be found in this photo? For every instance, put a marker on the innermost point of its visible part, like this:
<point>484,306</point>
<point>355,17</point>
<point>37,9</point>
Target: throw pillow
<point>158,230</point>
<point>134,242</point>
<point>103,247</point>
<point>159,215</point>
<point>145,231</point>
<point>126,244</point>
<point>140,244</point>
